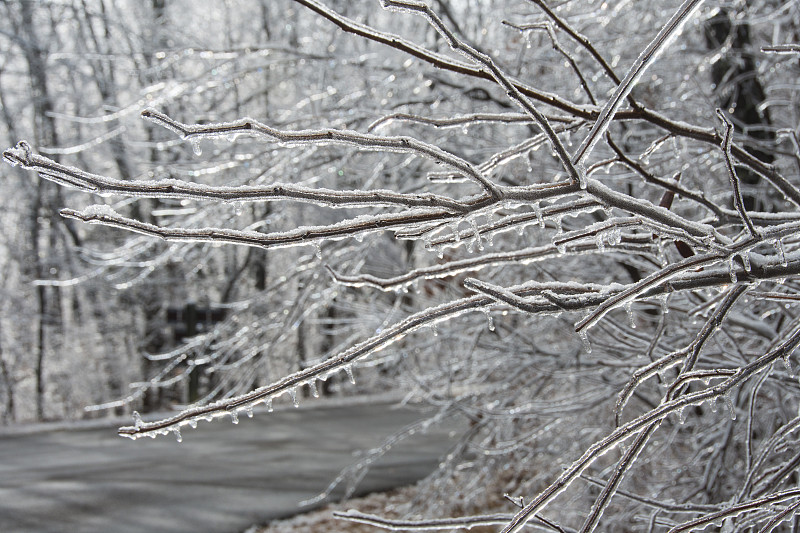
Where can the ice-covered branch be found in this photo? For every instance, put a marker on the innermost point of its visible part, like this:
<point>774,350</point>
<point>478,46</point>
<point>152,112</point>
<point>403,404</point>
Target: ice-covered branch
<point>642,63</point>
<point>172,188</point>
<point>104,215</point>
<point>452,268</point>
<point>782,49</point>
<point>718,517</point>
<point>435,59</point>
<point>727,138</point>
<point>500,77</point>
<point>433,524</point>
<point>579,38</point>
<point>464,120</point>
<point>366,141</point>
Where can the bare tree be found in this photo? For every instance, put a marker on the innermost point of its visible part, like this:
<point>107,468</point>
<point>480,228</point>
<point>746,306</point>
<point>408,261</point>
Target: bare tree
<point>585,306</point>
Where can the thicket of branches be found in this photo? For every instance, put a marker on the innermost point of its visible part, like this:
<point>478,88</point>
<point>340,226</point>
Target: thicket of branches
<point>573,224</point>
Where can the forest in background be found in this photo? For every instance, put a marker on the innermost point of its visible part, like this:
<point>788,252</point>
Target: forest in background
<point>573,224</point>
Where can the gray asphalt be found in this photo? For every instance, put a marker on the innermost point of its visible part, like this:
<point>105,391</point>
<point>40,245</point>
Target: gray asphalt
<point>221,478</point>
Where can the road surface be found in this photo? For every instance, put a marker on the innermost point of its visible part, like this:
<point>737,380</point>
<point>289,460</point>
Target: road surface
<point>221,478</point>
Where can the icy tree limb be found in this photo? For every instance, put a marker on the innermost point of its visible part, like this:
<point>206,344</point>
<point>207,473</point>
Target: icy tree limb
<point>580,39</point>
<point>464,120</point>
<point>500,77</point>
<point>734,178</point>
<point>367,141</point>
<point>452,268</point>
<point>736,510</point>
<point>437,60</point>
<point>171,188</point>
<point>782,49</point>
<point>432,524</point>
<point>645,59</point>
<point>548,27</point>
<point>100,214</point>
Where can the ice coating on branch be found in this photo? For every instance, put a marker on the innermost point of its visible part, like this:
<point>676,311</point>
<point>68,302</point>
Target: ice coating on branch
<point>99,211</point>
<point>19,155</point>
<point>648,56</point>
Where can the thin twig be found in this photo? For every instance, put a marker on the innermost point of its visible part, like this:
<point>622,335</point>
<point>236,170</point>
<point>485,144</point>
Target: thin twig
<point>734,178</point>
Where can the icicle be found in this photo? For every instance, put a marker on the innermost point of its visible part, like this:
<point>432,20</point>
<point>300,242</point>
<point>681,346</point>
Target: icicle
<point>681,416</point>
<point>731,408</point>
<point>664,304</point>
<point>539,218</point>
<point>476,236</point>
<point>318,250</point>
<point>293,394</point>
<point>662,253</point>
<point>490,239</point>
<point>712,403</point>
<point>732,270</point>
<point>787,362</point>
<point>434,330</point>
<point>349,371</point>
<point>269,405</point>
<point>178,435</point>
<point>249,411</point>
<point>456,233</point>
<point>193,423</point>
<point>629,310</point>
<point>559,228</point>
<point>489,319</point>
<point>585,340</point>
<point>745,260</point>
<point>600,242</point>
<point>781,252</point>
<point>195,142</point>
<point>234,417</point>
<point>615,236</point>
<point>560,246</point>
<point>137,420</point>
<point>312,386</point>
<point>359,237</point>
<point>581,177</point>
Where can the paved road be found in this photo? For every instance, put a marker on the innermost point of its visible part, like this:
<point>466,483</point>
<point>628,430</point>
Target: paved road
<point>219,479</point>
